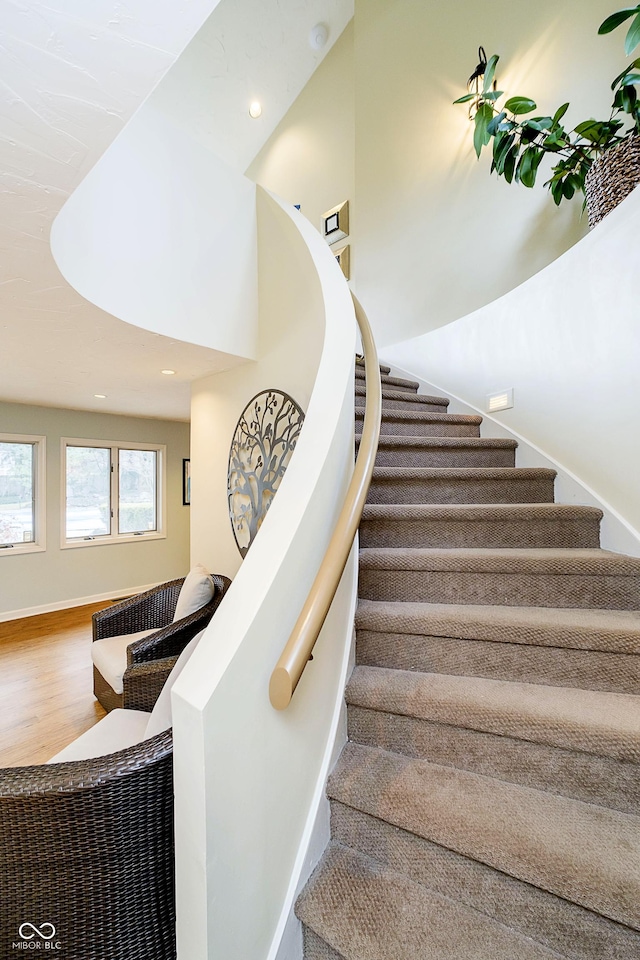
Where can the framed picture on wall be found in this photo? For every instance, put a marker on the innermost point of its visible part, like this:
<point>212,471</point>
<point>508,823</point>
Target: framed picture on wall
<point>186,482</point>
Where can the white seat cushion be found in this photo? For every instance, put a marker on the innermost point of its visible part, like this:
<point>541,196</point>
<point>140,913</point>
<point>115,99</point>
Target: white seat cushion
<point>160,718</point>
<point>109,656</point>
<point>118,730</point>
<point>196,590</point>
<point>124,728</point>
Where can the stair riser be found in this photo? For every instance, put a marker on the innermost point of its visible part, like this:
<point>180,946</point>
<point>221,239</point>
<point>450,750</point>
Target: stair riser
<point>517,662</point>
<point>408,401</point>
<point>471,490</point>
<point>470,533</point>
<point>583,776</point>
<point>569,929</point>
<point>385,373</point>
<point>317,949</point>
<point>444,457</point>
<point>508,589</point>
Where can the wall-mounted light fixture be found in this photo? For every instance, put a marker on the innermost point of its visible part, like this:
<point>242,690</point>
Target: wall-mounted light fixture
<point>255,110</point>
<point>475,83</point>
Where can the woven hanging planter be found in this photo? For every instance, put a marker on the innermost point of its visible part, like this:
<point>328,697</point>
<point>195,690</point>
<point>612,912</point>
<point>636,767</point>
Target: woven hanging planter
<point>611,178</point>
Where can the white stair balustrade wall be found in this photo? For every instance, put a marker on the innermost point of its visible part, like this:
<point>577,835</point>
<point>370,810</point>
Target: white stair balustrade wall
<point>250,780</point>
<point>162,234</point>
<point>567,341</point>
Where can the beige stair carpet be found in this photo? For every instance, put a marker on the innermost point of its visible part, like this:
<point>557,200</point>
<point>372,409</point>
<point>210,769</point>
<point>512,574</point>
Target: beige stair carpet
<point>487,806</point>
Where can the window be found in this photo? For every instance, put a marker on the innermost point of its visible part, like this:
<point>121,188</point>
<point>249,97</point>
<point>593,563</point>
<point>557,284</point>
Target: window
<point>112,491</point>
<point>22,494</point>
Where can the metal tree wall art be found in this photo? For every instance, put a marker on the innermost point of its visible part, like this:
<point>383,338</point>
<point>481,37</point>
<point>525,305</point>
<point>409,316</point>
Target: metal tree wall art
<point>261,448</point>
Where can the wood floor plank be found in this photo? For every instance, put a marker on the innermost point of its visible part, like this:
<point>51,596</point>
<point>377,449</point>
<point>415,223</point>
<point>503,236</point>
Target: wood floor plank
<point>46,684</point>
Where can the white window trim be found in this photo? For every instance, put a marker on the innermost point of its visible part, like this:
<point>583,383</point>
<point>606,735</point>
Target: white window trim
<point>114,537</point>
<point>39,544</point>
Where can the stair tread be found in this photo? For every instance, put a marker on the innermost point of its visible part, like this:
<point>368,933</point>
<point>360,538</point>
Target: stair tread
<point>478,511</point>
<point>534,560</point>
<point>366,911</point>
<point>587,854</point>
<point>413,398</point>
<point>388,381</point>
<point>384,369</point>
<point>589,629</point>
<point>480,443</point>
<point>462,473</point>
<point>606,724</point>
<point>418,415</point>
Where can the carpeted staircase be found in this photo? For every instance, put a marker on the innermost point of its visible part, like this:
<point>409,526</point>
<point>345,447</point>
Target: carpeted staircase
<point>487,805</point>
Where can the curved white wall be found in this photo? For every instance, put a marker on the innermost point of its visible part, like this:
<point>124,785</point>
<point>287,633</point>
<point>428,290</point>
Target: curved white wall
<point>249,780</point>
<point>568,342</point>
<point>161,234</point>
<point>435,235</point>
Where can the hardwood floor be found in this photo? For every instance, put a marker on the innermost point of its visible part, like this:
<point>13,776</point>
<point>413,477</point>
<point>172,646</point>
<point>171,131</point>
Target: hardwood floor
<point>46,684</point>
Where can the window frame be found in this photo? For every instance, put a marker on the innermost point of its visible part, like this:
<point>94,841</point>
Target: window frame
<point>39,542</point>
<point>115,446</point>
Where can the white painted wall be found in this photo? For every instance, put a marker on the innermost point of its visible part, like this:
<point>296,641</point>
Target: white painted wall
<point>247,50</point>
<point>433,235</point>
<point>437,236</point>
<point>250,780</point>
<point>55,579</point>
<point>161,234</point>
<point>290,344</point>
<point>309,158</point>
<point>568,343</point>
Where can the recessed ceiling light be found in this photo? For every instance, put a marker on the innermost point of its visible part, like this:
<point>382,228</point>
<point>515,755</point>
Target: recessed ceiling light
<point>100,396</point>
<point>168,373</point>
<point>255,110</point>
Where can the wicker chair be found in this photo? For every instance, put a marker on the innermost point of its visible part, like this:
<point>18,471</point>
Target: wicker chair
<point>87,848</point>
<point>149,659</point>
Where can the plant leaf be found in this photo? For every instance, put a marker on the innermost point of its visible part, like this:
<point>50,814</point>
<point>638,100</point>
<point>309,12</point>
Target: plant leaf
<point>630,79</point>
<point>466,98</point>
<point>616,19</point>
<point>501,151</point>
<point>489,73</point>
<point>510,163</point>
<point>633,35</point>
<point>482,119</point>
<point>494,123</point>
<point>528,166</point>
<point>519,105</point>
<point>634,65</point>
<point>560,112</point>
<point>592,130</point>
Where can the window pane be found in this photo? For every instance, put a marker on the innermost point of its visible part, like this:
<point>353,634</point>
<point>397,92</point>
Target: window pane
<point>137,491</point>
<point>17,493</point>
<point>88,500</point>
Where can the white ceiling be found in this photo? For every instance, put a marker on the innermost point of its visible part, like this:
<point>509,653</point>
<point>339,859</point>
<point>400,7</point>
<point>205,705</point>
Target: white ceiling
<point>72,72</point>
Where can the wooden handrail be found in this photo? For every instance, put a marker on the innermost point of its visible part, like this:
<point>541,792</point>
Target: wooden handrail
<point>300,644</point>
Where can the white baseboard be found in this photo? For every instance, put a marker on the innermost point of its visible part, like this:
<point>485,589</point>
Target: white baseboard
<point>76,602</point>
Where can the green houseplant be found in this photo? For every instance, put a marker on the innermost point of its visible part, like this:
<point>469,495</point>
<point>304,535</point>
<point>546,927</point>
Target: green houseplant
<point>520,141</point>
